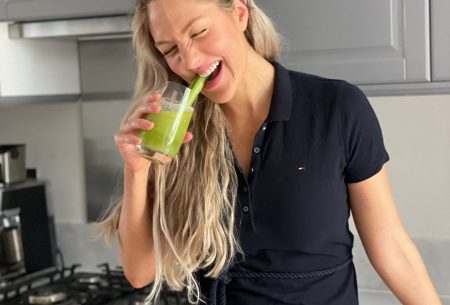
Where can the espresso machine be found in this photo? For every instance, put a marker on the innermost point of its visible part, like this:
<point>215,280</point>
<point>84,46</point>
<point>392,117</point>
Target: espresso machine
<point>27,234</point>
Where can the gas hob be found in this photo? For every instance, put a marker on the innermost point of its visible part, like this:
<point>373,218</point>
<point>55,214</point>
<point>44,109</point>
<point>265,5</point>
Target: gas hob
<point>70,286</point>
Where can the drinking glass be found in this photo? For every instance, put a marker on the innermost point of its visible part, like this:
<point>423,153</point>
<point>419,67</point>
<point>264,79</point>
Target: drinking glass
<point>164,140</point>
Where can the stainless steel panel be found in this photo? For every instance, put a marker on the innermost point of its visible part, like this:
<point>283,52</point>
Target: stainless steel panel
<point>117,26</point>
<point>2,10</point>
<point>107,66</point>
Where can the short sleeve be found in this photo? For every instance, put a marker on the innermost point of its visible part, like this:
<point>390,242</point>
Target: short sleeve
<point>361,135</point>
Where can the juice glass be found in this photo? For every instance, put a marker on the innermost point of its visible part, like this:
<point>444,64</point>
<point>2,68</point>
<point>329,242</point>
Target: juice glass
<point>164,140</point>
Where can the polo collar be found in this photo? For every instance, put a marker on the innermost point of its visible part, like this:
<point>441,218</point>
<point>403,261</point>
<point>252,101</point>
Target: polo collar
<point>280,106</point>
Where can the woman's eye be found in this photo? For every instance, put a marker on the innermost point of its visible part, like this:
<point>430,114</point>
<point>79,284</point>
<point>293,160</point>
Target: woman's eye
<point>169,51</point>
<point>174,48</point>
<point>199,33</point>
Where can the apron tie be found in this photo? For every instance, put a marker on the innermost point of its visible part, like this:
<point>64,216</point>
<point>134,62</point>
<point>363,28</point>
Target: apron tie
<point>217,289</point>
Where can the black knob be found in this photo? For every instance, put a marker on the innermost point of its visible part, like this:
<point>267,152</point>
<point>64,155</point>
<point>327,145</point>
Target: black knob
<point>15,153</point>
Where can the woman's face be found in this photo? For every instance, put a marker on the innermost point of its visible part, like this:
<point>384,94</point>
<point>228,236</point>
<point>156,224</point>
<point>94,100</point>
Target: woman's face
<point>197,37</point>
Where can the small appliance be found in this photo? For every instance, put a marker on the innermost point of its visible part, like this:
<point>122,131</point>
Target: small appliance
<point>12,163</point>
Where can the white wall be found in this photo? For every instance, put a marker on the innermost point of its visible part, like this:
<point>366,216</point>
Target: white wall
<point>417,135</point>
<point>416,131</point>
<point>103,164</point>
<point>52,134</point>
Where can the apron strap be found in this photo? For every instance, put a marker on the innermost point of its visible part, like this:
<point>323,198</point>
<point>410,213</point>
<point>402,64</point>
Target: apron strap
<point>217,289</point>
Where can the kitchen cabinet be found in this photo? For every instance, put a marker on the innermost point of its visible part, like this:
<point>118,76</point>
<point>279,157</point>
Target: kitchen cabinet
<point>440,42</point>
<point>24,10</point>
<point>363,41</point>
<point>2,10</point>
<point>37,67</point>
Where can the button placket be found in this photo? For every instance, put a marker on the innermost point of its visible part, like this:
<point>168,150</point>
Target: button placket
<point>257,149</point>
<point>247,208</point>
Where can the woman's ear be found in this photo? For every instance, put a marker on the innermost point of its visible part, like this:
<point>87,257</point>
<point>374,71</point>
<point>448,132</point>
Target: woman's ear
<point>241,13</point>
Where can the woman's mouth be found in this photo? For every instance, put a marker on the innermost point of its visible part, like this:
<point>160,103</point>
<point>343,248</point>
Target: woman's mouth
<point>214,74</point>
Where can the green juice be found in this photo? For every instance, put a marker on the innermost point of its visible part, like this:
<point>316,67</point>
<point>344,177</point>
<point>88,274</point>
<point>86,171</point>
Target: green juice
<point>170,126</point>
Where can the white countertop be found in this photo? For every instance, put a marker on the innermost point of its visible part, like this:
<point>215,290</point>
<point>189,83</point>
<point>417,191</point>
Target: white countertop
<point>373,297</point>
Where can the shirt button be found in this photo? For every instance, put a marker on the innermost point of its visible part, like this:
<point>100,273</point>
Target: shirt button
<point>251,170</point>
<point>264,128</point>
<point>245,189</point>
<point>256,150</point>
<point>245,208</point>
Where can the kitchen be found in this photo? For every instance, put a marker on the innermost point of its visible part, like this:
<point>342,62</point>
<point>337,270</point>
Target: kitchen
<point>54,90</point>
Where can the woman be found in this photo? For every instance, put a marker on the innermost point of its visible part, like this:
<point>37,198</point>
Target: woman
<point>255,207</point>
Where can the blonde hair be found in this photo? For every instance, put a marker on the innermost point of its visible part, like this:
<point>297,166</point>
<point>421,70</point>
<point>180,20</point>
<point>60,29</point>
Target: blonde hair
<point>194,196</point>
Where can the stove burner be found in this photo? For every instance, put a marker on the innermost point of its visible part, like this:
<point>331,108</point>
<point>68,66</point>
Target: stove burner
<point>166,298</point>
<point>90,280</point>
<point>47,297</point>
<point>138,300</point>
<point>68,286</point>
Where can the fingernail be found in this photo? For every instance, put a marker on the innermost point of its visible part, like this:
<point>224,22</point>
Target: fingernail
<point>148,126</point>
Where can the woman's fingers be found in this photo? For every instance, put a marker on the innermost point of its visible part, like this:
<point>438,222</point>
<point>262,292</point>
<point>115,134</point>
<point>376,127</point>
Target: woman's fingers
<point>148,105</point>
<point>187,137</point>
<point>145,109</point>
<point>136,121</point>
<point>123,139</point>
<point>153,97</point>
<point>133,125</point>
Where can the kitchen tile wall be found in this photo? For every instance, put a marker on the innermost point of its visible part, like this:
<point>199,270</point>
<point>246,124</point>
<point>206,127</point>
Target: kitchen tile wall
<point>53,137</point>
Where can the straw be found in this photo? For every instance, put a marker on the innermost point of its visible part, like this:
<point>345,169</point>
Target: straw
<point>196,86</point>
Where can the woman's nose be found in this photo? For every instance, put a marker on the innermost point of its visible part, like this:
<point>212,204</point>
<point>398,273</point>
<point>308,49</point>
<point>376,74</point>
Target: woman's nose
<point>190,58</point>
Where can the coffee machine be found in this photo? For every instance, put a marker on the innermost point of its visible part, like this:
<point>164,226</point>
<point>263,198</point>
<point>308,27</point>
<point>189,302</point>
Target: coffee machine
<point>29,238</point>
<point>11,251</point>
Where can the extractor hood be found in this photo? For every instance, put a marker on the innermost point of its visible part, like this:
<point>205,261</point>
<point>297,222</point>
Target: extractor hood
<point>104,27</point>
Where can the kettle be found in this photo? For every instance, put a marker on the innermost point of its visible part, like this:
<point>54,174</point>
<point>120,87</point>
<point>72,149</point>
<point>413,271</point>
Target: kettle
<point>11,249</point>
<point>12,163</point>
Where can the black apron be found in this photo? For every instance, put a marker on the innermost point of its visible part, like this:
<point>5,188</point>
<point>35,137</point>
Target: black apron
<point>239,286</point>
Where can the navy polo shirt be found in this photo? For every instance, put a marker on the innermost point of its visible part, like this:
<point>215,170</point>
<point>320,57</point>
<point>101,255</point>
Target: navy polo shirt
<point>292,211</point>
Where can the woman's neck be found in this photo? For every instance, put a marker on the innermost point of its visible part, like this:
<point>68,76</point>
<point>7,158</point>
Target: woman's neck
<point>253,96</point>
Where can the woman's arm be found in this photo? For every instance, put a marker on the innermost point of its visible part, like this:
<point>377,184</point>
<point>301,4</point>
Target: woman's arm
<point>135,230</point>
<point>389,248</point>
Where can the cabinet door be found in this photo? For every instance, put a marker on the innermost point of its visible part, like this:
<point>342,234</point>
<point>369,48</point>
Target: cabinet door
<point>22,10</point>
<point>37,67</point>
<point>440,43</point>
<point>363,41</point>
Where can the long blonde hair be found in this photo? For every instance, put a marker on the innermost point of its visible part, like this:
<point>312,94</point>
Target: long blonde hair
<point>194,196</point>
